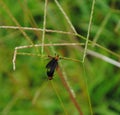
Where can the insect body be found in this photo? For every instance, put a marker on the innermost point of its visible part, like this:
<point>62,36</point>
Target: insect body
<point>51,66</point>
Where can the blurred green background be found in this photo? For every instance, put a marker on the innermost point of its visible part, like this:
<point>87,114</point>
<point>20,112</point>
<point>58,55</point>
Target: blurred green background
<point>19,88</point>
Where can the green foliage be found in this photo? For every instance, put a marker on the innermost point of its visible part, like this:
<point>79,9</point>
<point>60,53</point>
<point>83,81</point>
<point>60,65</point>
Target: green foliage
<point>27,90</point>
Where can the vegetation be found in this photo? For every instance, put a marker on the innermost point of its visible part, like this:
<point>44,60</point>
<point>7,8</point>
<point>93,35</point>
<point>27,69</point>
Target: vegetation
<point>86,36</point>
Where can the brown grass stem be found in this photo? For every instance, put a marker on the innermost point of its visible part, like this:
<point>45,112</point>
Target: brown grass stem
<point>72,96</point>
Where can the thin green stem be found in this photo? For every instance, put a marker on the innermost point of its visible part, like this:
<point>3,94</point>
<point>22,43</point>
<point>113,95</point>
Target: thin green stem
<point>44,27</point>
<point>38,92</point>
<point>100,46</point>
<point>61,102</point>
<point>87,91</point>
<point>66,17</point>
<point>101,29</point>
<point>89,28</point>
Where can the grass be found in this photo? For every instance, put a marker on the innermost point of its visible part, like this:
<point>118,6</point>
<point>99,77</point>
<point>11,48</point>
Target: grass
<point>86,36</point>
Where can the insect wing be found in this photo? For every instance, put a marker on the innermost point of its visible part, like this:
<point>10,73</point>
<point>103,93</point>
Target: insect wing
<point>50,63</point>
<point>54,66</point>
<point>51,66</point>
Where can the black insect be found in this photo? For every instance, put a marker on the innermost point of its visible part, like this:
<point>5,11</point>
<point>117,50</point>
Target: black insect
<point>51,66</point>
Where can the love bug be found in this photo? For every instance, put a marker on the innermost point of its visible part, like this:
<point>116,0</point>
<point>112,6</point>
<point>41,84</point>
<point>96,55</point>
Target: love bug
<point>51,66</point>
